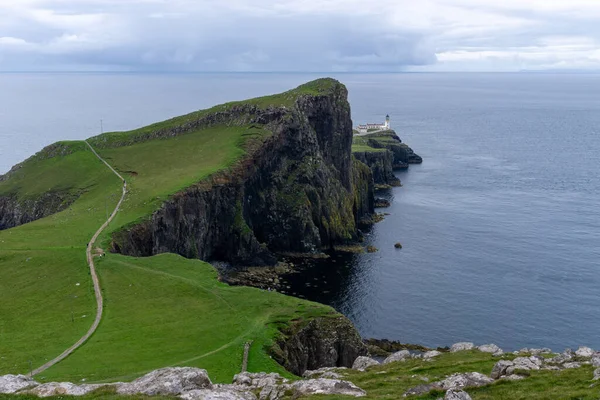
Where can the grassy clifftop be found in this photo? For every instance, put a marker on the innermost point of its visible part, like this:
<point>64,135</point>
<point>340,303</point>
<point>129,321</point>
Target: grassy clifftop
<point>160,311</point>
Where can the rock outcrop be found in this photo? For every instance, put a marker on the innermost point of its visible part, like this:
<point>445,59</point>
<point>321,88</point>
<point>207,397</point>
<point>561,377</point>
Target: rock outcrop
<point>167,381</point>
<point>298,191</point>
<point>381,164</point>
<point>461,346</point>
<point>403,154</point>
<point>15,211</point>
<point>13,383</point>
<point>362,363</point>
<point>18,209</point>
<point>321,342</point>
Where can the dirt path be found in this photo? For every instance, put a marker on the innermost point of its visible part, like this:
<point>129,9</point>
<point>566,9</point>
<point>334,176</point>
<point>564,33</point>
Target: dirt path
<point>97,290</point>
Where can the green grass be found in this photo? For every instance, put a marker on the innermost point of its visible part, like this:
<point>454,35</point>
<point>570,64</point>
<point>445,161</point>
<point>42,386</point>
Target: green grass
<point>358,148</point>
<point>160,311</point>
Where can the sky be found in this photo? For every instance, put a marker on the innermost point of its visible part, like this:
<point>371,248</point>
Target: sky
<point>299,35</point>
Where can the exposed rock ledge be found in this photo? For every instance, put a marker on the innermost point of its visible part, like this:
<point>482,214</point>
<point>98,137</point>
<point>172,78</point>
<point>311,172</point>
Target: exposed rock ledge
<point>189,384</point>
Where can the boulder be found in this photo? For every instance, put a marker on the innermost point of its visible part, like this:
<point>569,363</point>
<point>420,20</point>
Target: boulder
<point>64,389</point>
<point>491,348</point>
<point>423,389</point>
<point>327,372</point>
<point>500,368</point>
<point>571,365</point>
<point>431,354</point>
<point>596,360</point>
<point>168,382</point>
<point>525,364</point>
<point>457,395</point>
<point>462,346</point>
<point>217,394</point>
<point>328,387</point>
<point>466,380</point>
<point>401,355</point>
<point>273,392</point>
<point>597,374</point>
<point>585,352</point>
<point>258,380</point>
<point>13,383</point>
<point>362,363</point>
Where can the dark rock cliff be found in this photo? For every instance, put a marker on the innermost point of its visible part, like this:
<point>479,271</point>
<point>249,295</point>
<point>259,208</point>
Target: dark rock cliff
<point>15,212</point>
<point>298,191</point>
<point>322,342</point>
<point>381,164</point>
<point>403,154</point>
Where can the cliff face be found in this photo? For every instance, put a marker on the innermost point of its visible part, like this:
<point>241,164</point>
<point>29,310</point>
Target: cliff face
<point>15,212</point>
<point>381,164</point>
<point>403,154</point>
<point>322,342</point>
<point>297,191</point>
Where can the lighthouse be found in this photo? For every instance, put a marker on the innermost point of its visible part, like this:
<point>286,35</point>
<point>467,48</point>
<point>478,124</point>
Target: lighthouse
<point>387,122</point>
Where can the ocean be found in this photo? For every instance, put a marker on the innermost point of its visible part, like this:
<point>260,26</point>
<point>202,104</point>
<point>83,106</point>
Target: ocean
<point>500,225</point>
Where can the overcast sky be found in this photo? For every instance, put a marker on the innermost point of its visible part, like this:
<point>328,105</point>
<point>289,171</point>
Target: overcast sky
<point>299,35</point>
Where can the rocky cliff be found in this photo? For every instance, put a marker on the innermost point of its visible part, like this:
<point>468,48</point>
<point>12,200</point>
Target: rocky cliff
<point>403,154</point>
<point>298,190</point>
<point>381,164</point>
<point>17,209</point>
<point>322,342</point>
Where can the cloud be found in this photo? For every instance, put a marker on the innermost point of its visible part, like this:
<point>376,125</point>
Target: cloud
<point>298,35</point>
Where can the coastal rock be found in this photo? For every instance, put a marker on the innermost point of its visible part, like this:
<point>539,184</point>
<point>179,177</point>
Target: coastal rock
<point>491,348</point>
<point>525,364</point>
<point>217,394</point>
<point>597,374</point>
<point>168,382</point>
<point>500,368</point>
<point>596,360</point>
<point>362,363</point>
<point>461,346</point>
<point>457,395</point>
<point>320,342</point>
<point>381,163</point>
<point>327,386</point>
<point>571,365</point>
<point>401,355</point>
<point>431,354</point>
<point>584,352</point>
<point>258,380</point>
<point>13,383</point>
<point>327,372</point>
<point>64,389</point>
<point>466,380</point>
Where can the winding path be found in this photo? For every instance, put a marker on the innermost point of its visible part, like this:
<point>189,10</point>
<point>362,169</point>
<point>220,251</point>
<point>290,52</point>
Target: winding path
<point>97,290</point>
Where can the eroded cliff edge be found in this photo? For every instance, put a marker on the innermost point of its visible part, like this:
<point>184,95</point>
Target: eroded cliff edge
<point>298,190</point>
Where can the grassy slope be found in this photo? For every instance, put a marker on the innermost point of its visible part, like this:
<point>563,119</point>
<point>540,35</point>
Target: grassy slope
<point>167,316</point>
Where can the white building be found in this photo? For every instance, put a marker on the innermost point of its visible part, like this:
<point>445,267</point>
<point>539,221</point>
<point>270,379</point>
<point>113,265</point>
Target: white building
<point>372,127</point>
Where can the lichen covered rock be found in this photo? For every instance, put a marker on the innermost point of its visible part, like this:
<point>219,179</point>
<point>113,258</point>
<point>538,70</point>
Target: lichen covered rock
<point>168,382</point>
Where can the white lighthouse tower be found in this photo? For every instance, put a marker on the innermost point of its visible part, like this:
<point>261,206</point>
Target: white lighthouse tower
<point>387,122</point>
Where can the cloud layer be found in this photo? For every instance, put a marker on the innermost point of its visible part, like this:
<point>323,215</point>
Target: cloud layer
<point>299,35</point>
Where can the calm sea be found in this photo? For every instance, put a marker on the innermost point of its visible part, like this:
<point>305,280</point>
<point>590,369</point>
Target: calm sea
<point>500,224</point>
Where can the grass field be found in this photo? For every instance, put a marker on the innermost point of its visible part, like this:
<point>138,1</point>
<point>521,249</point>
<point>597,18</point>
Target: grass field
<point>159,311</point>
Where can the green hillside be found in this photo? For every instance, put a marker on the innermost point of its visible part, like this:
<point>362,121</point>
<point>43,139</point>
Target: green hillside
<point>159,311</point>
